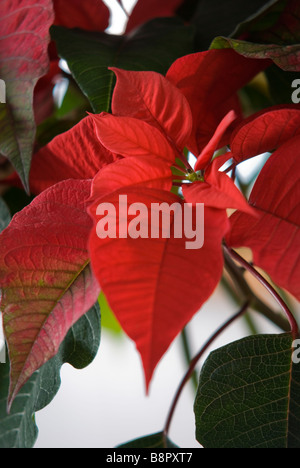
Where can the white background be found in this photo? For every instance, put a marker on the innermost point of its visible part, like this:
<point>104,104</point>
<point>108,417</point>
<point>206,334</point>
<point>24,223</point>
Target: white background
<point>105,404</point>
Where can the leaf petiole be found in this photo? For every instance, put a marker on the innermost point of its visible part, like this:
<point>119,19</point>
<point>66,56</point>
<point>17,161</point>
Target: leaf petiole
<point>291,319</point>
<point>194,363</point>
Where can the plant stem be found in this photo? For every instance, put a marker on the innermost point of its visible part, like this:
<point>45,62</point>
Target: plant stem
<point>291,319</point>
<point>237,301</point>
<point>188,357</point>
<point>123,8</point>
<point>194,363</point>
<point>237,275</point>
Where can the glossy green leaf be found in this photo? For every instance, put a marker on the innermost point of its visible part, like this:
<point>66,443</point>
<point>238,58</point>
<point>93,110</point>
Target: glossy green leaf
<point>274,34</point>
<point>215,18</point>
<point>276,24</point>
<point>266,19</point>
<point>18,429</point>
<point>155,46</point>
<point>248,395</point>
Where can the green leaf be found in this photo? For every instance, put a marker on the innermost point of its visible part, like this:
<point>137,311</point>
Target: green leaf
<point>277,24</point>
<point>18,429</point>
<point>263,22</point>
<point>153,47</point>
<point>280,85</point>
<point>108,319</point>
<point>285,57</point>
<point>248,395</point>
<point>152,441</point>
<point>221,18</point>
<point>273,34</point>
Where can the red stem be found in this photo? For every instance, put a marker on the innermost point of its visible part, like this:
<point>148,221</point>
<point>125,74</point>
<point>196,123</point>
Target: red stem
<point>194,363</point>
<point>292,321</point>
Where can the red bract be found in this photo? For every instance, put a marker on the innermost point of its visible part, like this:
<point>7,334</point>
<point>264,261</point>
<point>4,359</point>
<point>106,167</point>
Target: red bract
<point>274,236</point>
<point>264,132</point>
<point>217,190</point>
<point>209,81</point>
<point>76,154</point>
<point>156,284</point>
<point>145,10</point>
<point>143,96</point>
<point>45,277</point>
<point>132,137</point>
<point>147,279</point>
<point>91,15</point>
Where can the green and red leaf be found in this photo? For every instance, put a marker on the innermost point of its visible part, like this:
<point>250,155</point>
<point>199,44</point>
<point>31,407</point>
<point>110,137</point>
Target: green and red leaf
<point>45,276</point>
<point>285,57</point>
<point>24,59</point>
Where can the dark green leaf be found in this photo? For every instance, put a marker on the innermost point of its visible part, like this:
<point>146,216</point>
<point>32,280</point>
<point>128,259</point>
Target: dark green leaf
<point>152,441</point>
<point>278,24</point>
<point>18,429</point>
<point>273,34</point>
<point>248,395</point>
<point>264,21</point>
<point>221,18</point>
<point>155,46</point>
<point>280,83</point>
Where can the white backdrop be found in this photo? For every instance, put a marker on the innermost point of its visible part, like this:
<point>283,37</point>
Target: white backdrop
<point>105,405</point>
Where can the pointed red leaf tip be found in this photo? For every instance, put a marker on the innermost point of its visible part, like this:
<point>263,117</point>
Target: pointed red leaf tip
<point>218,190</point>
<point>145,11</point>
<point>275,236</point>
<point>215,143</point>
<point>91,15</point>
<point>150,97</point>
<point>45,278</point>
<point>148,280</point>
<point>209,81</point>
<point>128,137</point>
<point>75,154</point>
<point>265,131</point>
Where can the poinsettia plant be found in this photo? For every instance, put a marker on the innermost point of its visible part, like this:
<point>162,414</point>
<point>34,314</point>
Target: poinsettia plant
<point>129,186</point>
